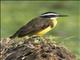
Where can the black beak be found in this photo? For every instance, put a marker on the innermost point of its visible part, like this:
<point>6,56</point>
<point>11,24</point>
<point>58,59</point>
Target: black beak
<point>62,15</point>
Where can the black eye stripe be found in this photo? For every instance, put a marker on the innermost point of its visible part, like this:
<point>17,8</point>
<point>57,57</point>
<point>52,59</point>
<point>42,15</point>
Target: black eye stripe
<point>49,16</point>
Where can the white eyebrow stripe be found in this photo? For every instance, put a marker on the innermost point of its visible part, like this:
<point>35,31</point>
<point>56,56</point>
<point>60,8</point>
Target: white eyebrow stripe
<point>48,14</point>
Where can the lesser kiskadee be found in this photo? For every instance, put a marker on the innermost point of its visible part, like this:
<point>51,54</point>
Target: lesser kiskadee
<point>39,25</point>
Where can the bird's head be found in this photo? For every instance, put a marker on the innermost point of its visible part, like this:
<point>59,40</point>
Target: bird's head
<point>51,15</point>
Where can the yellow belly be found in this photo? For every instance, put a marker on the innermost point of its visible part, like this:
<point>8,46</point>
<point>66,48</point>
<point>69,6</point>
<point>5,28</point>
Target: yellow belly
<point>41,33</point>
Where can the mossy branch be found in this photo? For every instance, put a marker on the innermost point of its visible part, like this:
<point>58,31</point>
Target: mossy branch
<point>33,48</point>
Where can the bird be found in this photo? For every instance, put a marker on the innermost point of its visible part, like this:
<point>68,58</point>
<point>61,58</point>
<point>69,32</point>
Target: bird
<point>39,25</point>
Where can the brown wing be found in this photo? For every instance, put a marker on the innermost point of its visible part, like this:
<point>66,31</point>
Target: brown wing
<point>34,26</point>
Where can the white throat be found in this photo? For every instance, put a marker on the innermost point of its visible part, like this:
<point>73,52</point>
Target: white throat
<point>54,18</point>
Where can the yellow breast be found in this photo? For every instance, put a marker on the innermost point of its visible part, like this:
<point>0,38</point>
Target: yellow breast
<point>54,22</point>
<point>41,33</point>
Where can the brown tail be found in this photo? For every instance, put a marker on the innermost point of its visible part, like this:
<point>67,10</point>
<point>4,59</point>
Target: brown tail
<point>12,37</point>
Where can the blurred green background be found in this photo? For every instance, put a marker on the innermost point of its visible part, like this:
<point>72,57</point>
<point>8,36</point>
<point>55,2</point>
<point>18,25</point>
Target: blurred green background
<point>15,14</point>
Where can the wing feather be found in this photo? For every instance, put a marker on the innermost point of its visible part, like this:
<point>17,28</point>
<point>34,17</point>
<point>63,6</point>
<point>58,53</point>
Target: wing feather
<point>33,26</point>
